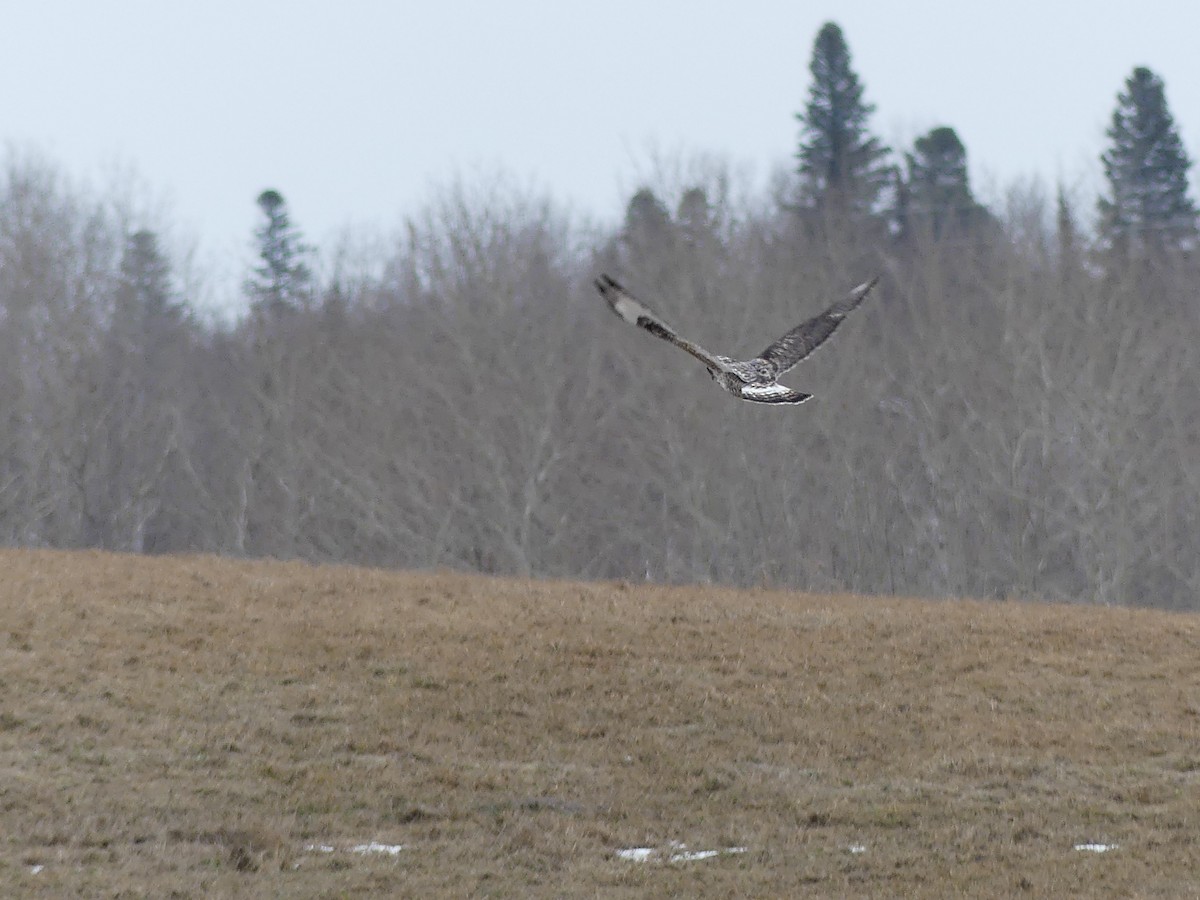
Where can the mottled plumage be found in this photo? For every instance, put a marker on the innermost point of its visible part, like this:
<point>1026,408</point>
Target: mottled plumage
<point>751,379</point>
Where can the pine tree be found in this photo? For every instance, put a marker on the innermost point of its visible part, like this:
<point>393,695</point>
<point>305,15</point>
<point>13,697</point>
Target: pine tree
<point>282,279</point>
<point>694,213</point>
<point>694,218</point>
<point>137,373</point>
<point>937,191</point>
<point>646,219</point>
<point>1066,233</point>
<point>1147,208</point>
<point>144,295</point>
<point>281,284</point>
<point>841,165</point>
<point>148,320</point>
<point>648,235</point>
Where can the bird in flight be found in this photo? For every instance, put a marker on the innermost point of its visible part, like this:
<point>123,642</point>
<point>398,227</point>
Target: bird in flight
<point>752,379</point>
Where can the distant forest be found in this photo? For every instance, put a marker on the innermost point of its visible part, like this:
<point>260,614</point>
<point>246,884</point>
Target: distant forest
<point>1014,412</point>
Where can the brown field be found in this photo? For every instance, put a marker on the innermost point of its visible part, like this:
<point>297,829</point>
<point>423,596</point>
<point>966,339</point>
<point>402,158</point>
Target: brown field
<point>191,727</point>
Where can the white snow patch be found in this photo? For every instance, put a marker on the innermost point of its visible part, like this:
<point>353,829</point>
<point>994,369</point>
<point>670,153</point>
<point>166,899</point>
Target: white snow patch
<point>373,847</point>
<point>1096,848</point>
<point>693,855</point>
<point>678,853</point>
<point>636,854</point>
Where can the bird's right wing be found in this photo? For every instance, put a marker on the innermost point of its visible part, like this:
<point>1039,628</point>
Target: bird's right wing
<point>808,336</point>
<point>628,308</point>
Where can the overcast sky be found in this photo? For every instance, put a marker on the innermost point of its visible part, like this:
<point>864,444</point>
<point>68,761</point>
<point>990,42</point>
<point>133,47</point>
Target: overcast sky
<point>357,110</point>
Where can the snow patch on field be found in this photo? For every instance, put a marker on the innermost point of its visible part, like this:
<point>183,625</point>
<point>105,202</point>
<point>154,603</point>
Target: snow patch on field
<point>637,854</point>
<point>675,852</point>
<point>361,849</point>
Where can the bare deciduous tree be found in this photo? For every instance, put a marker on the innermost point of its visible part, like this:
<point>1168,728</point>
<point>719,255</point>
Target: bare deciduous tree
<point>1000,419</point>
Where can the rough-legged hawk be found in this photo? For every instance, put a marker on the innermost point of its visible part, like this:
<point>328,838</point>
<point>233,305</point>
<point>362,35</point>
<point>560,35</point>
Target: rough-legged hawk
<point>751,379</point>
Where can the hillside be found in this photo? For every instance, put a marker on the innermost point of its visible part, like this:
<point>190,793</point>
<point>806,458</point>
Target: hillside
<point>196,727</point>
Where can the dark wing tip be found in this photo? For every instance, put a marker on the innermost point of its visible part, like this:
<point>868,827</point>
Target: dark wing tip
<point>842,308</point>
<point>655,328</point>
<point>865,288</point>
<point>606,283</point>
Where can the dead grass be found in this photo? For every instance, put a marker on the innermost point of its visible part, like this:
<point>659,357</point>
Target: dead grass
<point>190,727</point>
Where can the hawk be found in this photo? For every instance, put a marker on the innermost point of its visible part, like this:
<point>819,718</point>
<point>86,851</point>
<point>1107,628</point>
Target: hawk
<point>751,379</point>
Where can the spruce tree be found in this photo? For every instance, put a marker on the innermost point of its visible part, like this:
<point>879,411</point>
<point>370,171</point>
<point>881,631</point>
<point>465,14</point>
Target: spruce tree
<point>144,294</point>
<point>648,234</point>
<point>137,374</point>
<point>694,213</point>
<point>646,219</point>
<point>937,189</point>
<point>695,218</point>
<point>1147,208</point>
<point>148,320</point>
<point>282,280</point>
<point>841,165</point>
<point>1066,234</point>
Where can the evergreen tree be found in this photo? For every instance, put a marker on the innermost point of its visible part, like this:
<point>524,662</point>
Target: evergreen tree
<point>281,284</point>
<point>282,279</point>
<point>937,192</point>
<point>648,236</point>
<point>646,219</point>
<point>1147,208</point>
<point>841,165</point>
<point>148,320</point>
<point>1066,234</point>
<point>144,295</point>
<point>136,372</point>
<point>694,213</point>
<point>694,217</point>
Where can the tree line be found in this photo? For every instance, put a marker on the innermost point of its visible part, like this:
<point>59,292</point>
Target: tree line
<point>1013,414</point>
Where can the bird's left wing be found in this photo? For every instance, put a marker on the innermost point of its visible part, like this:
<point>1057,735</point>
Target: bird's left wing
<point>808,336</point>
<point>632,311</point>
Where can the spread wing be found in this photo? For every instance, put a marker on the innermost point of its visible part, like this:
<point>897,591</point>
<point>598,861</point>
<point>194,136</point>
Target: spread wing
<point>772,393</point>
<point>807,337</point>
<point>633,312</point>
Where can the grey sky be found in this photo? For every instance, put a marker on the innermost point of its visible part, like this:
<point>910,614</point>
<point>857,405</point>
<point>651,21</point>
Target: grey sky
<point>355,110</point>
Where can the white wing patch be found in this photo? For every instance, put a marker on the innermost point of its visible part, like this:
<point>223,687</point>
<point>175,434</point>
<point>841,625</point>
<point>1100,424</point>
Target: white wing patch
<point>625,306</point>
<point>630,310</point>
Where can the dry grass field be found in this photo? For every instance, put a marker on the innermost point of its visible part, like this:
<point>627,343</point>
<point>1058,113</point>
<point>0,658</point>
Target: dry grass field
<point>197,727</point>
